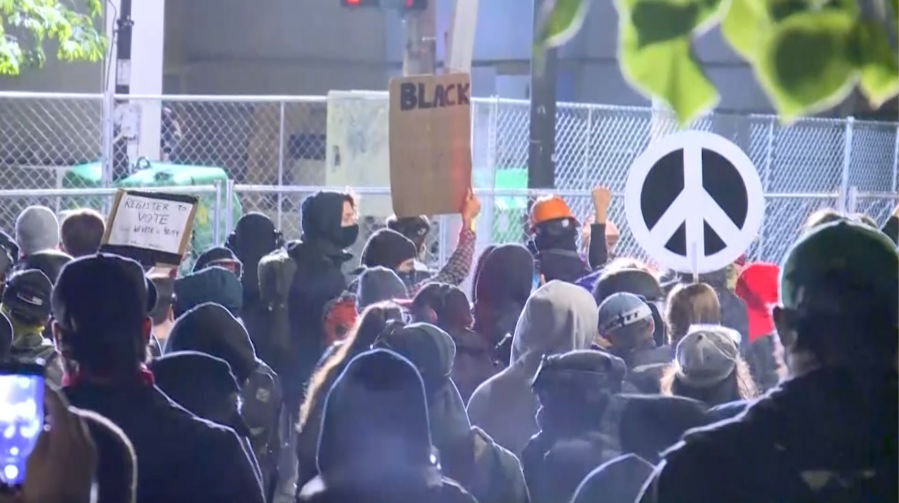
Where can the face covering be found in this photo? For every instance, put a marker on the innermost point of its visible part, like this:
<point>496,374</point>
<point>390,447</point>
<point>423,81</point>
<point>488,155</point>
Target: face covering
<point>346,236</point>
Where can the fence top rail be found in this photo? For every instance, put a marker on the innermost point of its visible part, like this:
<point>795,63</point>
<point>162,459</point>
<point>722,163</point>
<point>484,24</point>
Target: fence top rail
<point>29,95</point>
<point>385,191</point>
<point>94,192</point>
<point>379,95</point>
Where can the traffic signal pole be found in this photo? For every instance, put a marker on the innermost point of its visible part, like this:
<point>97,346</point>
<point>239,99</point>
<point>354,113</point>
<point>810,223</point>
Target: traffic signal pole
<point>420,48</point>
<point>120,164</point>
<point>542,145</point>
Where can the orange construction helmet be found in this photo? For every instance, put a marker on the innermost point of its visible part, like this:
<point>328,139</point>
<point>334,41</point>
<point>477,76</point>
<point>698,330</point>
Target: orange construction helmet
<point>548,208</point>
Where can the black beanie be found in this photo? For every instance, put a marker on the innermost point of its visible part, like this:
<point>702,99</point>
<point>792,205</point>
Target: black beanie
<point>387,248</point>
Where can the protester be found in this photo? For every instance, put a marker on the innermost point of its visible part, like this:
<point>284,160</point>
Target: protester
<point>205,386</point>
<point>479,265</point>
<point>626,322</point>
<point>62,466</point>
<point>688,305</point>
<point>616,481</point>
<point>37,229</point>
<point>377,284</point>
<point>557,318</point>
<point>732,309</point>
<point>116,469</point>
<point>757,287</point>
<point>375,442</point>
<point>163,314</point>
<point>447,307</point>
<point>211,329</point>
<point>50,262</point>
<point>837,320</point>
<point>254,237</point>
<point>467,454</point>
<point>214,284</point>
<point>553,240</point>
<point>626,276</point>
<point>330,226</point>
<point>414,228</point>
<point>707,367</point>
<point>574,390</point>
<point>26,303</point>
<point>103,341</point>
<point>82,232</point>
<point>372,323</point>
<point>219,256</point>
<point>503,287</point>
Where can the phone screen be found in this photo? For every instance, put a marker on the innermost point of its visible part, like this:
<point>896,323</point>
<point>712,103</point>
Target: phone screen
<point>21,418</point>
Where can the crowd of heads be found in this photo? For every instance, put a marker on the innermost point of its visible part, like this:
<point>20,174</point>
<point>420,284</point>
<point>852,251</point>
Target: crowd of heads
<point>406,368</point>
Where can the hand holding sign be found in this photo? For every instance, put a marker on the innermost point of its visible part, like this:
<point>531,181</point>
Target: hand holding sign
<point>430,144</point>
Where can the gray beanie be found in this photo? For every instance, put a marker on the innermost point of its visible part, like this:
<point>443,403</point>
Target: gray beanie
<point>377,284</point>
<point>37,229</point>
<point>706,355</point>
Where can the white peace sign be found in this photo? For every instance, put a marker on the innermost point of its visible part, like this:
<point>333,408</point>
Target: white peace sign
<point>694,206</point>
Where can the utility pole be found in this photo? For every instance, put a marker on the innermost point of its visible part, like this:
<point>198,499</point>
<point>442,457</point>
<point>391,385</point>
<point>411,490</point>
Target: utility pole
<point>120,164</point>
<point>420,50</point>
<point>542,146</point>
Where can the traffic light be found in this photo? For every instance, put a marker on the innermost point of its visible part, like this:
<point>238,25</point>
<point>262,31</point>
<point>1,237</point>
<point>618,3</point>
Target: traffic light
<point>402,5</point>
<point>415,4</point>
<point>360,3</point>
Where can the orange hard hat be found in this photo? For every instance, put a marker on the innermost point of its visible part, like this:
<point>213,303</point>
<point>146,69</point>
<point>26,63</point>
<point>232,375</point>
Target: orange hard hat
<point>547,208</point>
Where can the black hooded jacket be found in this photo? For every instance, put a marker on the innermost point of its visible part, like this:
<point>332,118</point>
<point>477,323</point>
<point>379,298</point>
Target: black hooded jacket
<point>375,444</point>
<point>319,278</point>
<point>503,286</point>
<point>254,237</point>
<point>210,329</point>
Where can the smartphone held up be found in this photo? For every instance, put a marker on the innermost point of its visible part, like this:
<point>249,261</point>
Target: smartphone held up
<point>21,418</point>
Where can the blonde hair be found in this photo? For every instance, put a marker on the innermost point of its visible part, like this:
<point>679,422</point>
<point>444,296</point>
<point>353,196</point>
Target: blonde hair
<point>690,304</point>
<point>821,217</point>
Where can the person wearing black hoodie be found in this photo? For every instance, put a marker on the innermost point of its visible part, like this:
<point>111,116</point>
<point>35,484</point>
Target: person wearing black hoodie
<point>102,339</point>
<point>503,287</point>
<point>375,443</point>
<point>467,454</point>
<point>329,222</point>
<point>574,390</point>
<point>211,329</point>
<point>254,237</point>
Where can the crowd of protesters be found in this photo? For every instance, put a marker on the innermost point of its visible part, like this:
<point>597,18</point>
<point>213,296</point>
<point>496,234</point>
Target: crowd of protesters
<point>275,372</point>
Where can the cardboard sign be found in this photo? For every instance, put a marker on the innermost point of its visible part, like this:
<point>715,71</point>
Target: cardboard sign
<point>430,144</point>
<point>152,228</point>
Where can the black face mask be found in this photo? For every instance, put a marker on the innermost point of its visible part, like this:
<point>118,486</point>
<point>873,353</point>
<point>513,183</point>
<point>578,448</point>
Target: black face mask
<point>346,236</point>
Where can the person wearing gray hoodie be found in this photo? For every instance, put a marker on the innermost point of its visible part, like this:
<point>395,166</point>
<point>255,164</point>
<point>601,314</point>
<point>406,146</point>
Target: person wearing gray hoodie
<point>557,318</point>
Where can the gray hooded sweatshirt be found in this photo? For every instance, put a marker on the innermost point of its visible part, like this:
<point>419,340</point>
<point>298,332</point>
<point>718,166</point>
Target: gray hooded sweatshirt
<point>557,318</point>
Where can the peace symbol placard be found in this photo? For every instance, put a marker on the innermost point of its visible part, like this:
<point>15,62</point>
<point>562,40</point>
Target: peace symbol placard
<point>694,201</point>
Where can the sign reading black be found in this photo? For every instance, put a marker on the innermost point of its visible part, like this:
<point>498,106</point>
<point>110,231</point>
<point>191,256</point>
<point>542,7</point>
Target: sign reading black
<point>414,95</point>
<point>720,179</point>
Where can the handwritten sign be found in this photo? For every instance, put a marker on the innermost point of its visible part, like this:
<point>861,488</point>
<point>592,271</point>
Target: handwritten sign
<point>144,225</point>
<point>430,143</point>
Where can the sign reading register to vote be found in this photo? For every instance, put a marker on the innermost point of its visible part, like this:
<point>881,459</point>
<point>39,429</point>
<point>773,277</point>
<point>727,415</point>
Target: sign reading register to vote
<point>430,143</point>
<point>152,228</point>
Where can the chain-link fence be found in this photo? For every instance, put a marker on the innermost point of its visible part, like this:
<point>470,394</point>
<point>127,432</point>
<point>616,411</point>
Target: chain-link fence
<point>278,149</point>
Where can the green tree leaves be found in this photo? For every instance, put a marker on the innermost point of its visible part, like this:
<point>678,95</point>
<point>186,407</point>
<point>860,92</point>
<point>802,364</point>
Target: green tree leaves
<point>807,55</point>
<point>26,24</point>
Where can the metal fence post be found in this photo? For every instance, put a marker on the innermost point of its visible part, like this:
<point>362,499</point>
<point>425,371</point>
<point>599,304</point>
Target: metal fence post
<point>108,132</point>
<point>229,206</point>
<point>895,179</point>
<point>769,156</point>
<point>216,215</point>
<point>281,142</point>
<point>847,161</point>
